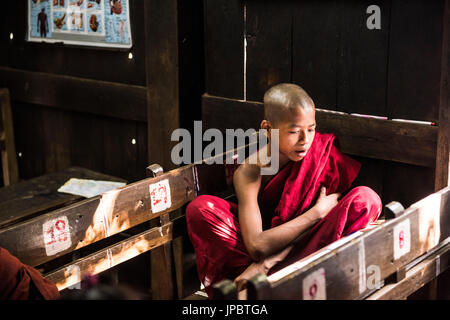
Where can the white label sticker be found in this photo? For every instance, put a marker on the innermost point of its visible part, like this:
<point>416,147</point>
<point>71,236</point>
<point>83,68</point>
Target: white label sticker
<point>314,286</point>
<point>402,239</point>
<point>56,235</point>
<point>160,196</point>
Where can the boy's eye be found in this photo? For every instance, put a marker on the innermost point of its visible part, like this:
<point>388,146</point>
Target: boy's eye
<point>311,130</point>
<point>294,131</point>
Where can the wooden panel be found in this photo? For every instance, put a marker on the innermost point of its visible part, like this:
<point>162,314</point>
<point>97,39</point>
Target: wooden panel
<point>32,197</point>
<point>443,145</point>
<point>346,264</point>
<point>371,174</point>
<point>414,59</point>
<point>224,48</point>
<point>223,113</point>
<point>191,51</point>
<point>315,47</point>
<point>142,151</point>
<point>78,94</point>
<point>103,64</point>
<point>120,154</point>
<point>97,218</point>
<point>52,140</point>
<point>367,137</point>
<point>161,54</point>
<point>269,48</point>
<point>363,59</point>
<point>87,146</point>
<point>382,139</point>
<point>407,183</point>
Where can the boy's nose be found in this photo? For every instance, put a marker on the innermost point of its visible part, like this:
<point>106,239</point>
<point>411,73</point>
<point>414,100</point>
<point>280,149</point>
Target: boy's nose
<point>303,138</point>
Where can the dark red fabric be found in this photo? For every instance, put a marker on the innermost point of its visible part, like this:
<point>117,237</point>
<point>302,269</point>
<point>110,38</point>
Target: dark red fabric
<point>213,224</point>
<point>19,281</point>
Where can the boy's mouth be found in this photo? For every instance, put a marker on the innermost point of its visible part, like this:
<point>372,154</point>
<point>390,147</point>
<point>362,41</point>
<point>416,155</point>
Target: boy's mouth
<point>301,153</point>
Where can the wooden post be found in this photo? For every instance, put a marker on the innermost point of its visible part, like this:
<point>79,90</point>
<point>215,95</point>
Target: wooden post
<point>442,173</point>
<point>161,258</point>
<point>443,145</point>
<point>161,59</point>
<point>7,144</point>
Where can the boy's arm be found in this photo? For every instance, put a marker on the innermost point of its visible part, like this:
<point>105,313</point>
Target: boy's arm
<point>261,244</point>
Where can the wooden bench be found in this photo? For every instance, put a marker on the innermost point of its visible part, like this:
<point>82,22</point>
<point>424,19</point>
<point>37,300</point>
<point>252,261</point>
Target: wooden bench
<point>80,227</point>
<point>370,264</point>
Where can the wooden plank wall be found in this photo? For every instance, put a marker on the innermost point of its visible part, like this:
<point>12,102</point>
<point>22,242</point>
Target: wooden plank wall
<point>64,106</point>
<point>326,48</point>
<point>82,106</point>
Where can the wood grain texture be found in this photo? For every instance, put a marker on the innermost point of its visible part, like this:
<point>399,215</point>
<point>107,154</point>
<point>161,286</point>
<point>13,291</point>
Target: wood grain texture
<point>161,58</point>
<point>443,144</point>
<point>8,150</point>
<point>77,94</point>
<point>269,49</point>
<point>362,59</point>
<point>224,48</point>
<point>414,59</point>
<point>315,49</point>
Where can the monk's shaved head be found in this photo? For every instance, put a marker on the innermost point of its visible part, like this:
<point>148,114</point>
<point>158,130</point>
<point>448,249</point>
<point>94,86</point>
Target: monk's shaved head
<point>285,97</point>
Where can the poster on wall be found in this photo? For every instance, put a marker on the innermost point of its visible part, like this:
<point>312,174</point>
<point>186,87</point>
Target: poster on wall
<point>100,23</point>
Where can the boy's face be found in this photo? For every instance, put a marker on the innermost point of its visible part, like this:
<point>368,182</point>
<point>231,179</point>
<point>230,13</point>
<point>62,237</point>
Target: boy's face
<point>296,133</point>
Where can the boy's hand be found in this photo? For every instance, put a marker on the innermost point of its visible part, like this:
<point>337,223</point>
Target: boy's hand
<point>325,203</point>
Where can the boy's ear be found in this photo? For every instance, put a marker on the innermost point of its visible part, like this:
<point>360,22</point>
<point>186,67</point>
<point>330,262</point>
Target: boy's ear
<point>266,125</point>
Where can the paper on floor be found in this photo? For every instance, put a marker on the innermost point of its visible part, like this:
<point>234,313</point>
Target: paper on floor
<point>89,188</point>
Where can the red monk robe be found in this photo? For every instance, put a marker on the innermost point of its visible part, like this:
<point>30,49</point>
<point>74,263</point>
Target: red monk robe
<point>19,281</point>
<point>213,224</point>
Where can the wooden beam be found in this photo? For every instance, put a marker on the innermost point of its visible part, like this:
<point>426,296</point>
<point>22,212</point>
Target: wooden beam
<point>111,256</point>
<point>403,142</point>
<point>161,59</point>
<point>76,94</point>
<point>443,142</point>
<point>97,218</point>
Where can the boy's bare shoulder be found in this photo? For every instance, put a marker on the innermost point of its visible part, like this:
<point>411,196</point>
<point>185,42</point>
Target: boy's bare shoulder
<point>247,172</point>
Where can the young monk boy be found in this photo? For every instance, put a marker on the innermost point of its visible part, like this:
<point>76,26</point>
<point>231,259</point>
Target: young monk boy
<point>282,218</point>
